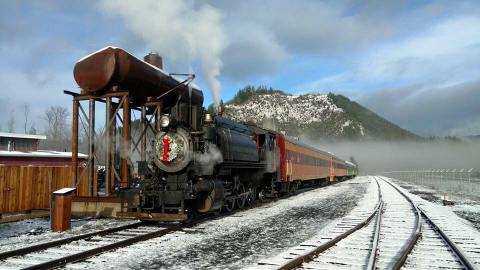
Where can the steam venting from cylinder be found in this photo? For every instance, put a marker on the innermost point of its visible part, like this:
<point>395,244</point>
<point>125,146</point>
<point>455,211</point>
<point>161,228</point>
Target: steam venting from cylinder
<point>211,157</point>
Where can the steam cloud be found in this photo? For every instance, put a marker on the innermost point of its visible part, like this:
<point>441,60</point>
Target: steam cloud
<point>209,159</point>
<point>179,30</point>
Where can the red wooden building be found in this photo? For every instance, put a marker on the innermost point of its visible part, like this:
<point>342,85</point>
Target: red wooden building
<point>22,150</point>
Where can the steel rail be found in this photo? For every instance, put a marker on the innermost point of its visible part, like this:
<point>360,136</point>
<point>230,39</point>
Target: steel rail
<point>464,260</point>
<point>129,241</point>
<point>406,250</point>
<point>42,246</point>
<point>372,259</point>
<point>374,252</point>
<point>298,261</point>
<point>95,251</point>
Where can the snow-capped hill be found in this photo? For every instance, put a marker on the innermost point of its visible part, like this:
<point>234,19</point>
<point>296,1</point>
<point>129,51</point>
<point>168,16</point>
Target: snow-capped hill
<point>303,109</point>
<point>296,114</point>
<point>313,115</point>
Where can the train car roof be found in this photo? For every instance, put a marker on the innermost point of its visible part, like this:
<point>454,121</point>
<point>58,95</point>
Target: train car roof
<point>302,144</point>
<point>230,124</point>
<point>248,127</point>
<point>350,163</point>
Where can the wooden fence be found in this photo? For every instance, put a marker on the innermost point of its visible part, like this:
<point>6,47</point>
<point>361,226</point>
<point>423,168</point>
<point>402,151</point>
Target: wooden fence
<point>29,188</point>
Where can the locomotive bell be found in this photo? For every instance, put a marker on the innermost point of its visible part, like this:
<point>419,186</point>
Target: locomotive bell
<point>208,118</point>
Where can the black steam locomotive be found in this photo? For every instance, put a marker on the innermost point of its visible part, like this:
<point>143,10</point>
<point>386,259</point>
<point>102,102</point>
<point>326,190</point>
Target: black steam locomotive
<point>199,162</point>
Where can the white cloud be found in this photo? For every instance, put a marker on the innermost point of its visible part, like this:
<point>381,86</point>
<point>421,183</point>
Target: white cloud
<point>445,54</point>
<point>19,88</point>
<point>178,30</point>
<point>449,50</point>
<point>430,110</point>
<point>253,52</point>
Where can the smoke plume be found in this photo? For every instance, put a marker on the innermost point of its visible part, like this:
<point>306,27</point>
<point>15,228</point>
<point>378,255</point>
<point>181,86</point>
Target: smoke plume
<point>209,159</point>
<point>179,30</point>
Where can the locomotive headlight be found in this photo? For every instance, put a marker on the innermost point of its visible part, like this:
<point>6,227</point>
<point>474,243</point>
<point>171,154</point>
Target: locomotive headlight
<point>164,121</point>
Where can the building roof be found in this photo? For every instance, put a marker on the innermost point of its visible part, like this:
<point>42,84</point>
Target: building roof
<point>22,136</point>
<point>40,153</point>
<point>64,191</point>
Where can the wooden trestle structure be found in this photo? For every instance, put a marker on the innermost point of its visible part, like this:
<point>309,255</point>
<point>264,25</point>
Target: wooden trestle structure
<point>116,148</point>
<point>125,85</point>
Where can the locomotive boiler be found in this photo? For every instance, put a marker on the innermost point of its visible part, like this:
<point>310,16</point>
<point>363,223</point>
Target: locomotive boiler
<point>198,162</point>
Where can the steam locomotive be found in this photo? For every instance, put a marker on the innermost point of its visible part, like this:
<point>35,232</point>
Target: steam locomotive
<point>199,162</point>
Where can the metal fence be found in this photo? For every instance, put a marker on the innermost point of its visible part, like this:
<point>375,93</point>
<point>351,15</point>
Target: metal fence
<point>453,181</point>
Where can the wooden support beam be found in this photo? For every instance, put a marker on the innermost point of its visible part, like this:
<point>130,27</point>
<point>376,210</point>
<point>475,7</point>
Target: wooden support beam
<point>75,142</point>
<point>91,145</point>
<point>126,141</point>
<point>113,153</point>
<point>143,147</point>
<point>108,144</point>
<point>112,94</point>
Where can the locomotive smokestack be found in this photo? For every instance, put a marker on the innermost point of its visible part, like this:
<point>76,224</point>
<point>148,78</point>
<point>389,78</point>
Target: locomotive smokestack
<point>154,59</point>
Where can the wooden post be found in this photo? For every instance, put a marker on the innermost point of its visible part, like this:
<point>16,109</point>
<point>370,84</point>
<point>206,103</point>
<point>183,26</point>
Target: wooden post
<point>91,145</point>
<point>143,147</point>
<point>113,154</point>
<point>108,144</point>
<point>62,209</point>
<point>75,142</point>
<point>126,141</point>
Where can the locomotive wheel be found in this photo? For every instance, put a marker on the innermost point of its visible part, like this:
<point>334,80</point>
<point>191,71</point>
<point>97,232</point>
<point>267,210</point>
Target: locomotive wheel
<point>261,196</point>
<point>229,205</point>
<point>242,199</point>
<point>191,216</point>
<point>217,213</point>
<point>294,188</point>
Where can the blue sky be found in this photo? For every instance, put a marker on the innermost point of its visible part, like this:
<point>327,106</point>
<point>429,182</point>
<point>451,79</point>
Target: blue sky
<point>402,59</point>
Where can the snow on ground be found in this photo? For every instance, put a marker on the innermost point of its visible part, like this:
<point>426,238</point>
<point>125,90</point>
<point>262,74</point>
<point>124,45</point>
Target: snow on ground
<point>461,231</point>
<point>239,240</point>
<point>364,207</point>
<point>466,207</point>
<point>242,239</point>
<point>458,229</point>
<point>15,235</point>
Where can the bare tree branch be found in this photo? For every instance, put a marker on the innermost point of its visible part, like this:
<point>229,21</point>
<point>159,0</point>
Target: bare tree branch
<point>11,122</point>
<point>57,130</point>
<point>26,113</point>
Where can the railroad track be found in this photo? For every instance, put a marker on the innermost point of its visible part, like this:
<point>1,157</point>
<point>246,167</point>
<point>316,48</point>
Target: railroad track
<point>389,237</point>
<point>78,248</point>
<point>435,248</point>
<point>310,249</point>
